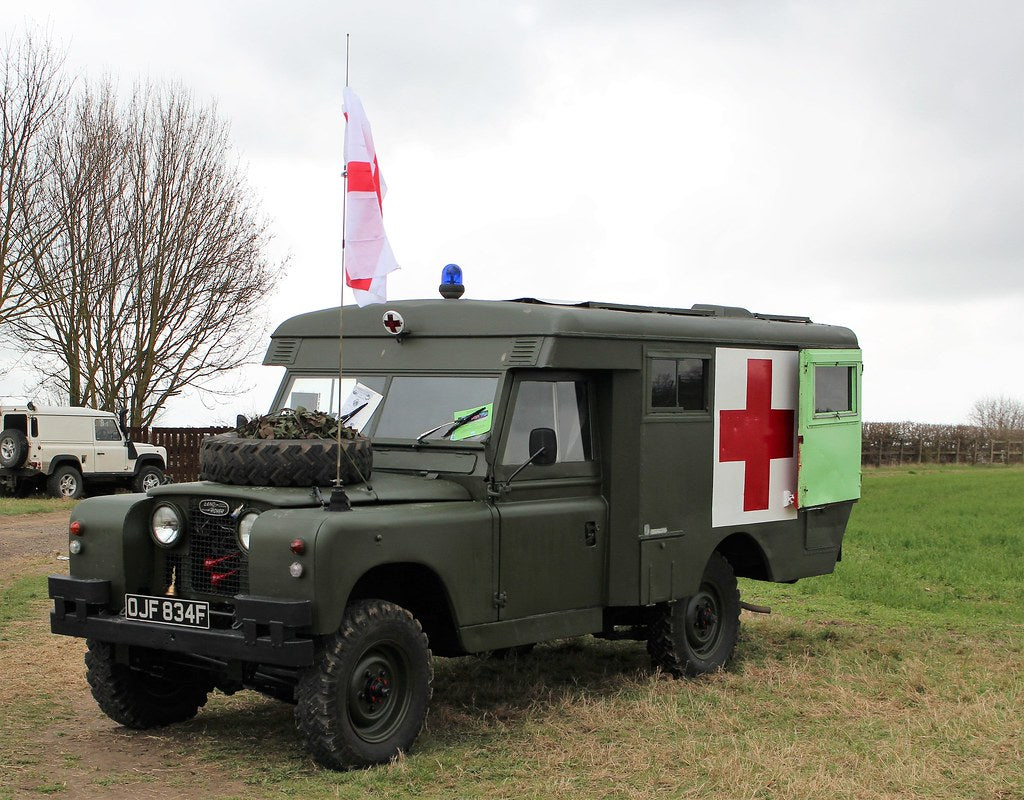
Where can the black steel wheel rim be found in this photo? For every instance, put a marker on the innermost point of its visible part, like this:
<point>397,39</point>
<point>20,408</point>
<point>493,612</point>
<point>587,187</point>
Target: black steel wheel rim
<point>379,692</point>
<point>704,621</point>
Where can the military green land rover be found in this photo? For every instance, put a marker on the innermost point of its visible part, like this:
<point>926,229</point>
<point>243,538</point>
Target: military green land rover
<point>538,471</point>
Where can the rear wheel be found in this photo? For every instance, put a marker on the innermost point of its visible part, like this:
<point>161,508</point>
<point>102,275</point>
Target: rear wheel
<point>365,698</point>
<point>697,634</point>
<point>13,448</point>
<point>65,483</point>
<point>137,699</point>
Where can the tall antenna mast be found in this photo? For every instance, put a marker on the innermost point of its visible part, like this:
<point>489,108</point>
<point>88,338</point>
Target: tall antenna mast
<point>339,499</point>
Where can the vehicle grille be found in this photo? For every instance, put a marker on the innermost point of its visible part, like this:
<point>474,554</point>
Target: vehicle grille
<point>214,563</point>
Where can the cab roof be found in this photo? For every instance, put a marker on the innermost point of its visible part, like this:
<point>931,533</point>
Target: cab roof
<point>531,317</point>
<point>56,411</point>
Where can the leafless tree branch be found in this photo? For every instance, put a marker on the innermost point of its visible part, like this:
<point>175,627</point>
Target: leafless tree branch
<point>33,93</point>
<point>157,267</point>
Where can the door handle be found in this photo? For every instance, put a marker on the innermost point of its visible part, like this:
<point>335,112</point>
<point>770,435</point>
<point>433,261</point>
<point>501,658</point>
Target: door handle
<point>590,534</point>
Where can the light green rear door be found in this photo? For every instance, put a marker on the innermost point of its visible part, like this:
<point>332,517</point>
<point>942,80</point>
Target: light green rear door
<point>829,426</point>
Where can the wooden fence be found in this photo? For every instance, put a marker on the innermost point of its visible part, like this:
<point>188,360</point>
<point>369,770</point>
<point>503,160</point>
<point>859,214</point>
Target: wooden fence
<point>883,444</point>
<point>182,448</point>
<point>958,451</point>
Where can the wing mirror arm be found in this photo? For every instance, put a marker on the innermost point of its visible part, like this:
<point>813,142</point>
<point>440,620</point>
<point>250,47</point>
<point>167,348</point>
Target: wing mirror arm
<point>544,449</point>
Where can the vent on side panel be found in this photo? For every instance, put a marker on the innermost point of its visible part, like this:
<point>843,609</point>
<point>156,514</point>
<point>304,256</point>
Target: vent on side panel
<point>524,352</point>
<point>282,352</point>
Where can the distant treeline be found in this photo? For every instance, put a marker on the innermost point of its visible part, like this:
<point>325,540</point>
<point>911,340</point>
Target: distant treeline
<point>894,443</point>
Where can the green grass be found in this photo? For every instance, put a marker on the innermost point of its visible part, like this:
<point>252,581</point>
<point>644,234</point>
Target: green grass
<point>12,506</point>
<point>21,600</point>
<point>942,545</point>
<point>899,676</point>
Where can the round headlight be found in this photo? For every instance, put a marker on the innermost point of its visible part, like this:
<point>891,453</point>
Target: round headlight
<point>166,525</point>
<point>245,524</point>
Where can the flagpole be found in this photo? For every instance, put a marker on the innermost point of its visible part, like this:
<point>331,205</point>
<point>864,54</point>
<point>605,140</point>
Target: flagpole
<point>339,500</point>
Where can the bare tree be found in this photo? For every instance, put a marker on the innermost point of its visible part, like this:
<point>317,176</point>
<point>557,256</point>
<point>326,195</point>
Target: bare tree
<point>998,414</point>
<point>32,95</point>
<point>154,277</point>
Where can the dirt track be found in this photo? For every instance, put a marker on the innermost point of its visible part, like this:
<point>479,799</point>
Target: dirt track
<point>33,535</point>
<point>79,753</point>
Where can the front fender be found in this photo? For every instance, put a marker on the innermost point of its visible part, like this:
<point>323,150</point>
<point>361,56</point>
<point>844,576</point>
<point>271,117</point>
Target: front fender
<point>115,540</point>
<point>455,540</point>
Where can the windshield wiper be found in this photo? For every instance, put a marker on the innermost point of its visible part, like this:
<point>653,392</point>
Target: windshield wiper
<point>344,420</point>
<point>463,420</point>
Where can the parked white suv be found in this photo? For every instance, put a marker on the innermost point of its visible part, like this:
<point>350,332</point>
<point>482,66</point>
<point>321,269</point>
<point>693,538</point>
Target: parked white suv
<point>70,449</point>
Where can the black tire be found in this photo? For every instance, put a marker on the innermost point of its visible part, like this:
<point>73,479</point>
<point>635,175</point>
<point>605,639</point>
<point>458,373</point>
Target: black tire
<point>65,483</point>
<point>147,478</point>
<point>697,634</point>
<point>137,699</point>
<point>13,448</point>
<point>226,458</point>
<point>365,698</point>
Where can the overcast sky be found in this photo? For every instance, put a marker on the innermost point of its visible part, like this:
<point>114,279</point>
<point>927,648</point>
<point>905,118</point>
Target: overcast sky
<point>858,163</point>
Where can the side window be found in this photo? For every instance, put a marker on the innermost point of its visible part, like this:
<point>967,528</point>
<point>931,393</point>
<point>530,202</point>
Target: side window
<point>834,390</point>
<point>106,431</point>
<point>679,384</point>
<point>564,407</point>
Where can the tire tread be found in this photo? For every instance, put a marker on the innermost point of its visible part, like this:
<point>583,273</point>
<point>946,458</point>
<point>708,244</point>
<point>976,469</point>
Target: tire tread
<point>226,458</point>
<point>122,693</point>
<point>667,646</point>
<point>317,702</point>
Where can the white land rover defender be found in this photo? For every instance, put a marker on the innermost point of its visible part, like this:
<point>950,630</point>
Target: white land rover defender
<point>71,448</point>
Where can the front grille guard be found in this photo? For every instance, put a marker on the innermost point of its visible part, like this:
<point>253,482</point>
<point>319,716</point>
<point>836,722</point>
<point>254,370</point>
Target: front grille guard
<point>214,564</point>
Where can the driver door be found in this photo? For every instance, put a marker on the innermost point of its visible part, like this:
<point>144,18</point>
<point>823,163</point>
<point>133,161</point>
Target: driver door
<point>553,518</point>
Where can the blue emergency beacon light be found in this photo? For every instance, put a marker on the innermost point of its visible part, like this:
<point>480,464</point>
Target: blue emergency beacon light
<point>451,287</point>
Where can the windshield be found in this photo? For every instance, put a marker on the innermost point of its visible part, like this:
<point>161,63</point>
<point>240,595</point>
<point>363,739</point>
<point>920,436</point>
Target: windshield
<point>403,406</point>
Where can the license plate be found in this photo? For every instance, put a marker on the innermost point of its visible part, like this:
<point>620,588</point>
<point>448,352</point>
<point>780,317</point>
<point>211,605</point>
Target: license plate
<point>167,610</point>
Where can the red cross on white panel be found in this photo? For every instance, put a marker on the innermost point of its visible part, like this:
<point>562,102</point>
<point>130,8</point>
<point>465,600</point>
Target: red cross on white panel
<point>756,434</point>
<point>754,460</point>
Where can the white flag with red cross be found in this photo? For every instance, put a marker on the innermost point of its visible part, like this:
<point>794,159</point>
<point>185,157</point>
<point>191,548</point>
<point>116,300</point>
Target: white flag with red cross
<point>755,455</point>
<point>368,256</point>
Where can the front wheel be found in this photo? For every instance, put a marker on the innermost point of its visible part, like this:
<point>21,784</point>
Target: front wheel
<point>365,698</point>
<point>697,634</point>
<point>148,478</point>
<point>65,483</point>
<point>137,699</point>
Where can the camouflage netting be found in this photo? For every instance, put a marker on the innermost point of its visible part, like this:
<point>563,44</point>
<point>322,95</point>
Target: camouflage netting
<point>287,448</point>
<point>294,424</point>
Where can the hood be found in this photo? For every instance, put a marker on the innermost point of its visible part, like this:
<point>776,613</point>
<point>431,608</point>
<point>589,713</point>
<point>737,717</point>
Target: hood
<point>383,487</point>
<point>387,487</point>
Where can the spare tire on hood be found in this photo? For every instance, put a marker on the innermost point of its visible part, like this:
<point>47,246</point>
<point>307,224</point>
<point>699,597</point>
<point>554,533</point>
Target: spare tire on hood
<point>229,458</point>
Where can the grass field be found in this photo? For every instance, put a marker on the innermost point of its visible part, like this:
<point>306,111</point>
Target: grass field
<point>900,676</point>
<point>11,506</point>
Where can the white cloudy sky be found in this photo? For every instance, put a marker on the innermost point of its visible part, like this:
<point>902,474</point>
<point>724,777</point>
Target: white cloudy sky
<point>858,163</point>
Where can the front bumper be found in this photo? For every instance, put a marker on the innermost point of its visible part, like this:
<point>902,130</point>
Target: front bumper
<point>263,629</point>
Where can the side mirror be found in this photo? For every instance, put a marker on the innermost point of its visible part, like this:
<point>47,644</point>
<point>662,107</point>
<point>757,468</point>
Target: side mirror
<point>543,447</point>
